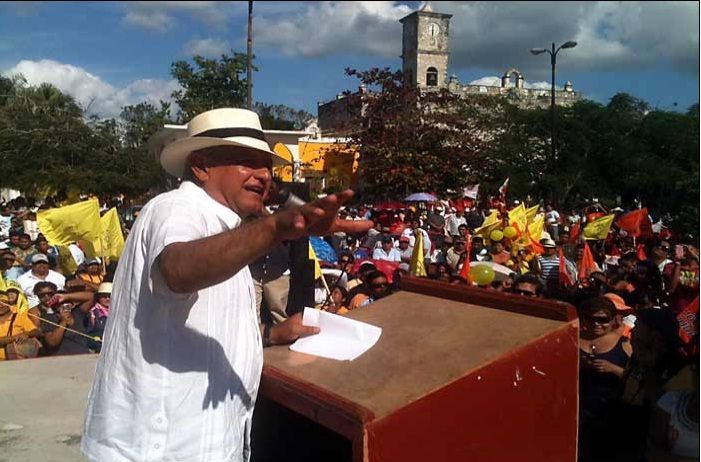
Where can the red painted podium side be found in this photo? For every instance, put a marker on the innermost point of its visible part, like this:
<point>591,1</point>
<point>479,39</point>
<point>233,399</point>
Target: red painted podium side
<point>458,374</point>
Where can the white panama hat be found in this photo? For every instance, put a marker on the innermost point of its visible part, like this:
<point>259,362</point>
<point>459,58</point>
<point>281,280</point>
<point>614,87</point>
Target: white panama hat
<point>218,127</point>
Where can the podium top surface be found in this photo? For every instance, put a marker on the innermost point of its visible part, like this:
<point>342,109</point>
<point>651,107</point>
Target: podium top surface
<point>426,343</point>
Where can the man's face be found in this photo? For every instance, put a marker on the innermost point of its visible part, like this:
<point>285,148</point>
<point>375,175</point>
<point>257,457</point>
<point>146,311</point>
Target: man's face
<point>477,245</point>
<point>526,289</point>
<point>550,251</point>
<point>414,224</point>
<point>378,286</point>
<point>24,243</point>
<point>387,246</point>
<point>243,184</point>
<point>14,240</point>
<point>93,269</point>
<point>43,246</point>
<point>403,244</point>
<point>463,231</point>
<point>40,268</point>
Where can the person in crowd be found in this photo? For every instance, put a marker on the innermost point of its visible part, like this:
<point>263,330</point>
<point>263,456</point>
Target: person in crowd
<point>358,284</point>
<point>684,286</point>
<point>553,219</point>
<point>12,269</point>
<point>40,272</point>
<point>604,356</point>
<point>455,220</point>
<point>42,246</point>
<point>549,265</point>
<point>92,275</point>
<point>97,315</point>
<point>528,285</point>
<point>337,302</point>
<point>405,249</point>
<point>375,289</point>
<point>478,252</point>
<point>24,251</point>
<point>387,252</point>
<point>453,254</point>
<point>15,328</point>
<point>61,312</point>
<point>271,277</point>
<point>499,254</point>
<point>413,231</point>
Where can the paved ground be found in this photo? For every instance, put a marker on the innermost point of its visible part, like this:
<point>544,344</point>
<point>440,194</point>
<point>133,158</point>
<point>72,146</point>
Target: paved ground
<point>42,405</point>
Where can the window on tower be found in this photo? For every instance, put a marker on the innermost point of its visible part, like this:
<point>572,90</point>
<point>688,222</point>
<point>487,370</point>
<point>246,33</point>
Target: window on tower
<point>432,77</point>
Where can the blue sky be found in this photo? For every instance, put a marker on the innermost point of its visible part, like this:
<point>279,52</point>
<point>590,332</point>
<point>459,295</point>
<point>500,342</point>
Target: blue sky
<point>108,54</point>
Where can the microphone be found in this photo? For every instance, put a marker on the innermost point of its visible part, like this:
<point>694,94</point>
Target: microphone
<point>287,199</point>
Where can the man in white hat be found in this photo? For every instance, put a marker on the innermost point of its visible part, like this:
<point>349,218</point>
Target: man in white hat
<point>182,355</point>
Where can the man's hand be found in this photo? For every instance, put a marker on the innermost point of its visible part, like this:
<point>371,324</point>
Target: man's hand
<point>318,218</point>
<point>290,330</point>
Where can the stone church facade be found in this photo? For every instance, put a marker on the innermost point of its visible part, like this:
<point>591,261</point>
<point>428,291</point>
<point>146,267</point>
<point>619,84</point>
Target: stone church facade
<point>425,56</point>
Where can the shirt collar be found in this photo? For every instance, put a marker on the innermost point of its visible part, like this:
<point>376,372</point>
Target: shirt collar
<point>228,217</point>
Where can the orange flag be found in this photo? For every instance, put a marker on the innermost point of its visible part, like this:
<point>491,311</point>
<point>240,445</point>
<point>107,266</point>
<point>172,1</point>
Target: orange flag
<point>574,234</point>
<point>636,223</point>
<point>640,253</point>
<point>587,265</point>
<point>465,270</point>
<point>565,278</point>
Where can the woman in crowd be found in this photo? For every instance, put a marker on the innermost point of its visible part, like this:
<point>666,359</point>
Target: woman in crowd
<point>604,355</point>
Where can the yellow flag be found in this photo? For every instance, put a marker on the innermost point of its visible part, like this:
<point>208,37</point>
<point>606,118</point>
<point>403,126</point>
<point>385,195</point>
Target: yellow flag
<point>3,286</point>
<point>317,266</point>
<point>599,228</point>
<point>531,212</point>
<point>66,260</point>
<point>417,266</point>
<point>77,222</point>
<point>491,223</point>
<point>518,218</point>
<point>113,239</point>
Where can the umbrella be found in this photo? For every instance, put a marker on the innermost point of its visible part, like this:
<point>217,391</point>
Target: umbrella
<point>421,197</point>
<point>501,272</point>
<point>323,250</point>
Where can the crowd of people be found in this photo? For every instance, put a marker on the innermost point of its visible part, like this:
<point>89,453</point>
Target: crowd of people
<point>636,296</point>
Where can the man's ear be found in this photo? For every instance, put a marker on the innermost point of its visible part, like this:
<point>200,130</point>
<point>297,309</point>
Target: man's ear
<point>201,173</point>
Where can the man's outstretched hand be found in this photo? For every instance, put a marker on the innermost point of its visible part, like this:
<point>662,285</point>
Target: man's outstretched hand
<point>318,218</point>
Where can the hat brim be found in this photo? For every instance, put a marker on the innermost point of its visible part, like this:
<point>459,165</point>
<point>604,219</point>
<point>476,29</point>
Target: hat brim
<point>174,155</point>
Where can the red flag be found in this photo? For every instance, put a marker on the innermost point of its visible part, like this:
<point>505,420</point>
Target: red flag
<point>565,278</point>
<point>640,254</point>
<point>465,270</point>
<point>587,265</point>
<point>688,325</point>
<point>574,234</point>
<point>636,223</point>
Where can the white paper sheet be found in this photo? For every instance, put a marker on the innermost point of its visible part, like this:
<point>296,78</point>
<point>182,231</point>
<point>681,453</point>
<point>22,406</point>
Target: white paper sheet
<point>340,338</point>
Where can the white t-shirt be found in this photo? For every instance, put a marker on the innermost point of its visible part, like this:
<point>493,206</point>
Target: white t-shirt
<point>552,217</point>
<point>393,255</point>
<point>27,281</point>
<point>412,239</point>
<point>178,374</point>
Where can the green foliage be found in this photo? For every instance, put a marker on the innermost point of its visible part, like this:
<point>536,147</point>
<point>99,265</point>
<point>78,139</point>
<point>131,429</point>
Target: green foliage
<point>281,117</point>
<point>211,84</point>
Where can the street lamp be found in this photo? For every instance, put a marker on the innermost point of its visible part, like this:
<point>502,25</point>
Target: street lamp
<point>553,59</point>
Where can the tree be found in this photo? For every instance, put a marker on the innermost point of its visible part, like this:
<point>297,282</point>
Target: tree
<point>410,141</point>
<point>281,117</point>
<point>212,84</point>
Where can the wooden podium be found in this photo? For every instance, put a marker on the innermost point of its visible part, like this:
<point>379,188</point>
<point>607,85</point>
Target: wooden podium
<point>459,374</point>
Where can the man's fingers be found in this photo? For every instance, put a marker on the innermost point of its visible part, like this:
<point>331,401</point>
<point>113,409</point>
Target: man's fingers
<point>352,226</point>
<point>306,331</point>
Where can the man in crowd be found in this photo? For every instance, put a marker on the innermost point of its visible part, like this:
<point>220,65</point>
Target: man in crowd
<point>455,220</point>
<point>92,276</point>
<point>185,330</point>
<point>39,272</point>
<point>405,250</point>
<point>387,252</point>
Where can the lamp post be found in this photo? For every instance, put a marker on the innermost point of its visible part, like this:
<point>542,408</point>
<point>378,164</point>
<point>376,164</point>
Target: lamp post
<point>553,60</point>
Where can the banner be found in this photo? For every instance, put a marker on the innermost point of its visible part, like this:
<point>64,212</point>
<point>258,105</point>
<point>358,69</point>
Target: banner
<point>471,192</point>
<point>491,223</point>
<point>72,223</point>
<point>636,223</point>
<point>113,239</point>
<point>587,265</point>
<point>599,228</point>
<point>417,266</point>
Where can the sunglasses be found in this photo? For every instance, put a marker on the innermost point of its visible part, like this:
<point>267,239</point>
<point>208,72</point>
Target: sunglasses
<point>380,285</point>
<point>601,320</point>
<point>526,293</point>
<point>46,294</point>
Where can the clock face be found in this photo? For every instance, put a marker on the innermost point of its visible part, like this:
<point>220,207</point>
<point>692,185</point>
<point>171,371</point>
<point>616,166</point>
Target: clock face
<point>433,29</point>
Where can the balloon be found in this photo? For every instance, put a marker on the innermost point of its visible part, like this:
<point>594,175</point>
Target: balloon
<point>510,232</point>
<point>496,235</point>
<point>483,275</point>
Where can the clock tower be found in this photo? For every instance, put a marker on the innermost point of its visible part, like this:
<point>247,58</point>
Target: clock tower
<point>425,48</point>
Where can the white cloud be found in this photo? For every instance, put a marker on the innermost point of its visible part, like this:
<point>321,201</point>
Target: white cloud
<point>90,91</point>
<point>162,16</point>
<point>322,28</point>
<point>210,48</point>
<point>497,35</point>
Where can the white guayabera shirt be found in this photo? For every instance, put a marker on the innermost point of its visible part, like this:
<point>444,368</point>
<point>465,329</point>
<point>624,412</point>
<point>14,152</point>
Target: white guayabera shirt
<point>178,374</point>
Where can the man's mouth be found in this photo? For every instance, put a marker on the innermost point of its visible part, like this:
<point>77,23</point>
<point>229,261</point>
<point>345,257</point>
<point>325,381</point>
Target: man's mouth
<point>259,190</point>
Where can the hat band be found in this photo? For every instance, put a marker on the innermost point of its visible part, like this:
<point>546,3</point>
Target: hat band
<point>232,132</point>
